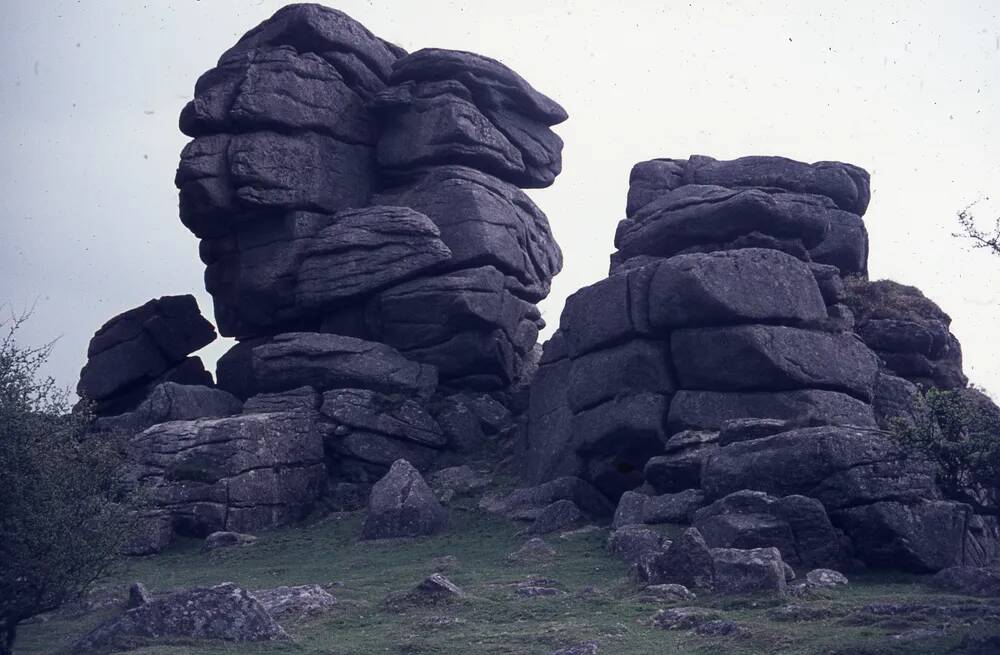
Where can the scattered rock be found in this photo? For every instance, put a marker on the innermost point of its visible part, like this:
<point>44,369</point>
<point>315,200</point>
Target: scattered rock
<point>668,592</point>
<point>826,578</point>
<point>722,628</point>
<point>684,618</point>
<point>533,550</point>
<point>402,505</point>
<point>748,571</point>
<point>583,648</point>
<point>634,543</point>
<point>224,612</point>
<point>295,603</point>
<point>137,595</point>
<point>223,539</point>
<point>557,516</point>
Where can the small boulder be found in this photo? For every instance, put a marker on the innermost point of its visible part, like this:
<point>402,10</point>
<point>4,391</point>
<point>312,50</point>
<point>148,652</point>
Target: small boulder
<point>534,550</point>
<point>456,482</point>
<point>225,612</point>
<point>137,595</point>
<point>825,578</point>
<point>668,592</point>
<point>748,571</point>
<point>402,505</point>
<point>296,602</point>
<point>688,561</point>
<point>223,539</point>
<point>435,589</point>
<point>557,516</point>
<point>684,618</point>
<point>634,543</point>
<point>722,628</point>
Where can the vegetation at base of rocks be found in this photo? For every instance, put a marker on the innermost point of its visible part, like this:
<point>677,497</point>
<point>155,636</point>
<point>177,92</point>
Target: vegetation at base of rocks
<point>64,514</point>
<point>971,231</point>
<point>959,430</point>
<point>596,600</point>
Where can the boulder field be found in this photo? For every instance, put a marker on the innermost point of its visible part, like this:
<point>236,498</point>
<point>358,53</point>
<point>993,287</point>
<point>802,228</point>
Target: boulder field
<point>367,242</point>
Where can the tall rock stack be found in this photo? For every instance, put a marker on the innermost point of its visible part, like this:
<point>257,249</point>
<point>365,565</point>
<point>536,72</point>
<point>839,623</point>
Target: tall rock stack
<point>367,242</point>
<point>719,356</point>
<point>341,186</point>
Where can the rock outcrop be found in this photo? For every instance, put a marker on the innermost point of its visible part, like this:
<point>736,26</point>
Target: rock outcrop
<point>367,242</point>
<point>737,356</point>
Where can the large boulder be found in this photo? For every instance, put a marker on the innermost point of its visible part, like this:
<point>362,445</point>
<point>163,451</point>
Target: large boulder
<point>239,473</point>
<point>223,612</point>
<point>170,401</point>
<point>755,570</point>
<point>772,358</point>
<point>402,505</point>
<point>528,502</point>
<point>500,125</point>
<point>140,348</point>
<point>680,467</point>
<point>796,525</point>
<point>970,580</point>
<point>688,561</point>
<point>708,410</point>
<point>322,361</point>
<point>839,466</point>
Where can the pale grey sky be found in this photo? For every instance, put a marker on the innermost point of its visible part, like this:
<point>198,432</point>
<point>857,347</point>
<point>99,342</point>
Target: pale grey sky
<point>90,93</point>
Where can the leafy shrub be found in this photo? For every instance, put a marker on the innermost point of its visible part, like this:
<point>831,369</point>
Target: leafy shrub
<point>959,431</point>
<point>64,510</point>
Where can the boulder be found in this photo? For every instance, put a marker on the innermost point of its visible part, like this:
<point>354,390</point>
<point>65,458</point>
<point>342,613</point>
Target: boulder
<point>402,505</point>
<point>322,361</point>
<point>826,578</point>
<point>635,508</point>
<point>304,399</point>
<point>511,106</point>
<point>528,502</point>
<point>968,580</point>
<point>457,482</point>
<point>684,618</point>
<point>238,473</point>
<point>772,358</point>
<point>671,593</point>
<point>797,526</point>
<point>295,603</point>
<point>558,516</point>
<point>636,544</point>
<point>839,466</point>
<point>680,468</point>
<point>485,221</point>
<point>923,536</point>
<point>635,367</point>
<point>688,561</point>
<point>223,539</point>
<point>748,429</point>
<point>223,612</point>
<point>846,185</point>
<point>629,510</point>
<point>756,570</point>
<point>170,401</point>
<point>752,285</point>
<point>534,550</point>
<point>138,595</point>
<point>707,410</point>
<point>368,431</point>
<point>435,589</point>
<point>141,348</point>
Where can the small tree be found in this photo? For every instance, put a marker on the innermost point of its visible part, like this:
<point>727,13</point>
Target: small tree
<point>960,432</point>
<point>64,511</point>
<point>979,238</point>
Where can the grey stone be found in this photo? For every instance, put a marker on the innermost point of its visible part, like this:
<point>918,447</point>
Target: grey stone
<point>237,473</point>
<point>558,516</point>
<point>688,561</point>
<point>707,410</point>
<point>322,361</point>
<point>772,358</point>
<point>634,367</point>
<point>748,571</point>
<point>295,602</point>
<point>534,550</point>
<point>684,618</point>
<point>528,502</point>
<point>137,595</point>
<point>223,539</point>
<point>680,468</point>
<point>170,401</point>
<point>969,580</point>
<point>224,612</point>
<point>635,543</point>
<point>402,505</point>
<point>826,578</point>
<point>748,429</point>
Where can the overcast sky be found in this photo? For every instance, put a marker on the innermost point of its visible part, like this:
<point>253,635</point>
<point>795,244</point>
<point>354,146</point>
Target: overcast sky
<point>90,93</point>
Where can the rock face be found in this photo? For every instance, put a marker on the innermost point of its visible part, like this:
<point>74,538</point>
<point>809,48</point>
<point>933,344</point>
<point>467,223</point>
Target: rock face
<point>224,612</point>
<point>143,347</point>
<point>738,357</point>
<point>367,241</point>
<point>402,505</point>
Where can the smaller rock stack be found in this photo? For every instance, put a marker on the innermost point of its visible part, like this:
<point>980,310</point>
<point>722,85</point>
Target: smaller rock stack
<point>718,365</point>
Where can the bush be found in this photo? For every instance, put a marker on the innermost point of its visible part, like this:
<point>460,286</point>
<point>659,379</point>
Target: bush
<point>64,510</point>
<point>959,431</point>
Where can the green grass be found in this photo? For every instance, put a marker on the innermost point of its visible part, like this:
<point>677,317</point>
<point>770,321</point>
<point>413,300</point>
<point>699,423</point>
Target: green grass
<point>599,603</point>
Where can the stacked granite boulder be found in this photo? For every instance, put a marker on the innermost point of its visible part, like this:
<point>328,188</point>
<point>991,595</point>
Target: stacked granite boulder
<point>719,357</point>
<point>367,242</point>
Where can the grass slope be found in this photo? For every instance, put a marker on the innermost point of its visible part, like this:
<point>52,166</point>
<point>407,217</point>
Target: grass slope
<point>600,603</point>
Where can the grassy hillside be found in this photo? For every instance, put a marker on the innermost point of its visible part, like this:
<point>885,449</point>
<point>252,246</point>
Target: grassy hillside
<point>599,602</point>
